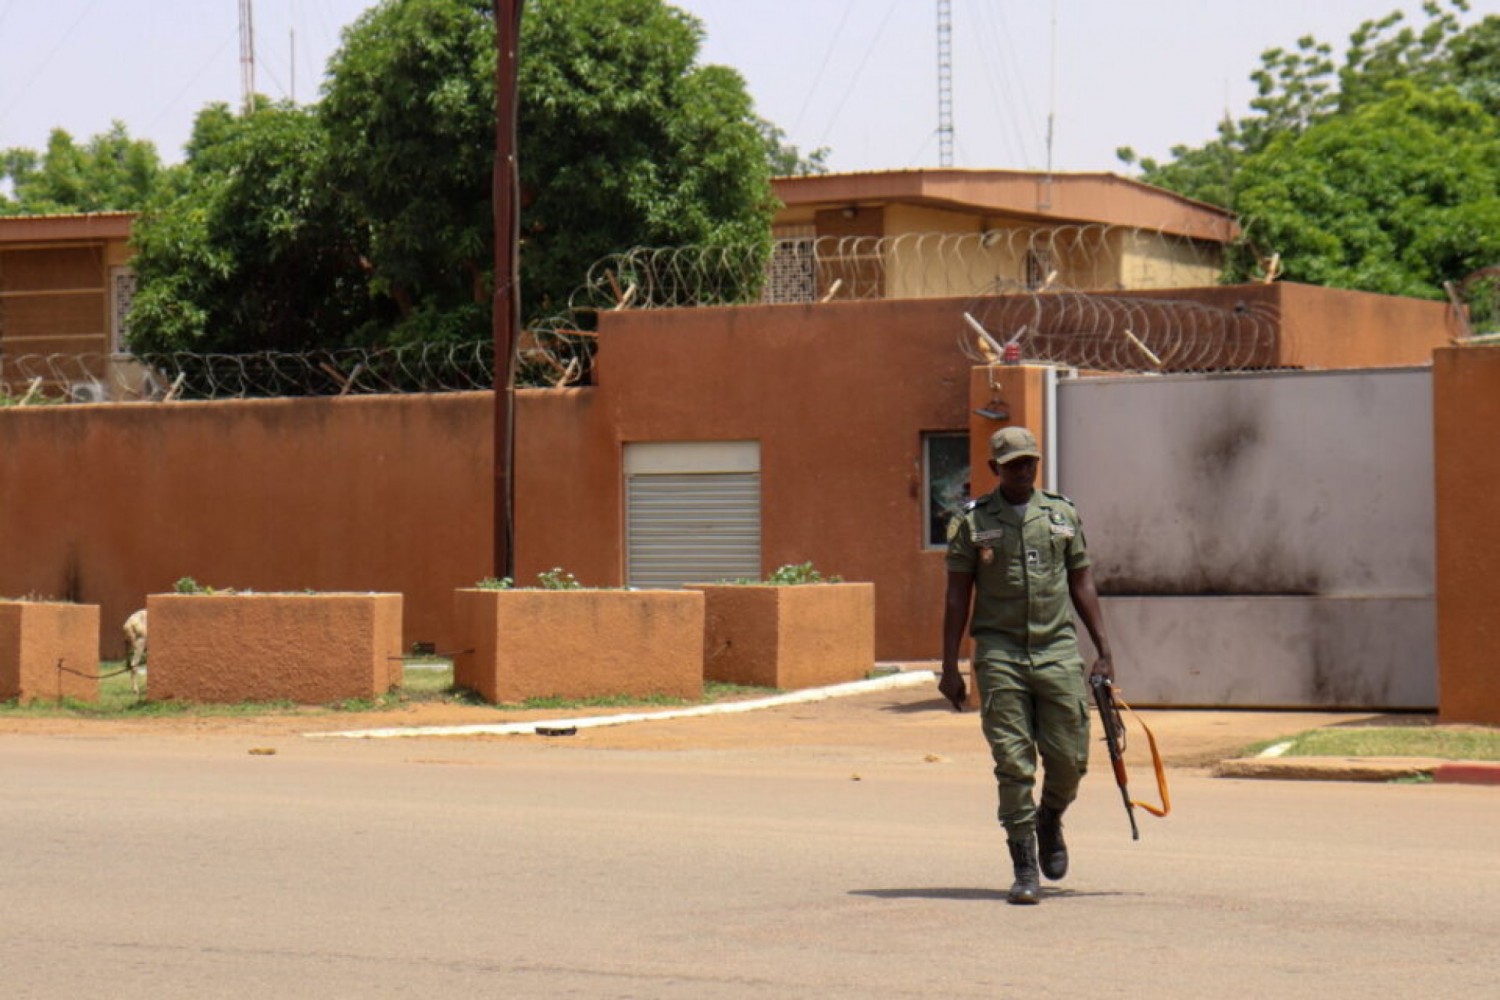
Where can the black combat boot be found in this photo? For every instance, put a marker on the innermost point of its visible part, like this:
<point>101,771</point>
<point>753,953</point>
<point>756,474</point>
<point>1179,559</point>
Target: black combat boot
<point>1051,848</point>
<point>1027,890</point>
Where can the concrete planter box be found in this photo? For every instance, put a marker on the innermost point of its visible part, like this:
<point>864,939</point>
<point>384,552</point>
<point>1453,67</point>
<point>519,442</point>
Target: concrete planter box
<point>311,649</point>
<point>579,643</point>
<point>34,636</point>
<point>788,637</point>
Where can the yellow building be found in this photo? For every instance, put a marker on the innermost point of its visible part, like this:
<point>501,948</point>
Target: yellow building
<point>938,233</point>
<point>65,288</point>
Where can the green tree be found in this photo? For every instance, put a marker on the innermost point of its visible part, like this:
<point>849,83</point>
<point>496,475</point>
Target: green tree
<point>409,113</point>
<point>1378,173</point>
<point>1299,87</point>
<point>369,218</point>
<point>627,141</point>
<point>111,172</point>
<point>624,141</point>
<point>249,248</point>
<point>1396,197</point>
<point>786,159</point>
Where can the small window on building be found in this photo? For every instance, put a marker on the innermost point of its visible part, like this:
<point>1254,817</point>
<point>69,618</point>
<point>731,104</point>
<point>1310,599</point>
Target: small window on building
<point>1038,269</point>
<point>792,272</point>
<point>945,481</point>
<point>121,295</point>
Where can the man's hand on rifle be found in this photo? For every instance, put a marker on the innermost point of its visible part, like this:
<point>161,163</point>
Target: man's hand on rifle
<point>951,685</point>
<point>1104,667</point>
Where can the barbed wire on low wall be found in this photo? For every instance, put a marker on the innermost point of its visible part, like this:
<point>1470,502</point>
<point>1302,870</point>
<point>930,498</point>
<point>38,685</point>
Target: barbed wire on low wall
<point>1121,334</point>
<point>1087,331</point>
<point>1052,283</point>
<point>84,378</point>
<point>1092,257</point>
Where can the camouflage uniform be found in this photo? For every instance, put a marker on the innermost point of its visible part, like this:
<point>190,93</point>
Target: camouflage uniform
<point>1030,675</point>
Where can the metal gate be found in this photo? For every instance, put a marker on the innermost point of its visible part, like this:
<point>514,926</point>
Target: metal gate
<point>1260,540</point>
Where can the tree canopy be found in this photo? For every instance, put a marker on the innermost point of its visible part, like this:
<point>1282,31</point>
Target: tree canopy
<point>368,218</point>
<point>1396,197</point>
<point>1381,173</point>
<point>110,172</point>
<point>249,248</point>
<point>409,114</point>
<point>625,140</point>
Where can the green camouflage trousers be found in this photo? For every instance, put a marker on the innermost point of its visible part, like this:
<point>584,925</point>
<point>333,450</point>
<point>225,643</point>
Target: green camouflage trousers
<point>1030,710</point>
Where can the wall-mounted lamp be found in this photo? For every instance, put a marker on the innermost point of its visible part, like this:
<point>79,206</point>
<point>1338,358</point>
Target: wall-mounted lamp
<point>995,409</point>
<point>850,211</point>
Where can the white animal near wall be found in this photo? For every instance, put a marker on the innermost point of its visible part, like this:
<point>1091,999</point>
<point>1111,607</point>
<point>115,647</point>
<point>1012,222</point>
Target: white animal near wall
<point>135,647</point>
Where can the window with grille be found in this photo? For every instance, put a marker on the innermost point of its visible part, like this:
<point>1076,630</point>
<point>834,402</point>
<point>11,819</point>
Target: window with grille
<point>792,274</point>
<point>121,295</point>
<point>1038,268</point>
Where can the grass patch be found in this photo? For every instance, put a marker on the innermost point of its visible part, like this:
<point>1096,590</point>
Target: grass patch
<point>1441,742</point>
<point>713,692</point>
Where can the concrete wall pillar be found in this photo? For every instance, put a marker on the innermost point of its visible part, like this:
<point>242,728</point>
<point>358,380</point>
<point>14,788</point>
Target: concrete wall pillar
<point>1466,416</point>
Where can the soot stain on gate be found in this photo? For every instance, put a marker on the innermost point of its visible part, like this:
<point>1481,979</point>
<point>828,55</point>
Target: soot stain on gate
<point>1339,680</point>
<point>1219,466</point>
<point>1224,445</point>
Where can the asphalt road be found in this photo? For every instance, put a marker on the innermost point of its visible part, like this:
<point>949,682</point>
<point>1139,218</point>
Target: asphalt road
<point>144,867</point>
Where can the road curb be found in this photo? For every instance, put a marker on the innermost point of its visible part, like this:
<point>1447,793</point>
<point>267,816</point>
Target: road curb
<point>1327,768</point>
<point>1360,769</point>
<point>900,679</point>
<point>1465,772</point>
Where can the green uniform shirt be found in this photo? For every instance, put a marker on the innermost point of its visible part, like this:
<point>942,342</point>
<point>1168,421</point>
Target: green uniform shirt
<point>1022,609</point>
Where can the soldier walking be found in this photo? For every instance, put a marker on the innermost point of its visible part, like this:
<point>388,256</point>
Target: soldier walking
<point>1018,564</point>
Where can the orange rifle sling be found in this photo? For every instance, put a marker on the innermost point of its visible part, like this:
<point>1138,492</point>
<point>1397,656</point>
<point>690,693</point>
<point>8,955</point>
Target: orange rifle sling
<point>1161,774</point>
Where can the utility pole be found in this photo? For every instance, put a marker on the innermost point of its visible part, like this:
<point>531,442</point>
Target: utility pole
<point>247,56</point>
<point>507,301</point>
<point>945,82</point>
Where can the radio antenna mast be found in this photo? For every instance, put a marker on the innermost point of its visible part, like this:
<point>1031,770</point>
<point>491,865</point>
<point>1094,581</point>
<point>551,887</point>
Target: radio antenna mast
<point>247,56</point>
<point>945,82</point>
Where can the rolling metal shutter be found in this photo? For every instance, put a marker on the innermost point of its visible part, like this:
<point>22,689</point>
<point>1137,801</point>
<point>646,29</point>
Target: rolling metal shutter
<point>692,513</point>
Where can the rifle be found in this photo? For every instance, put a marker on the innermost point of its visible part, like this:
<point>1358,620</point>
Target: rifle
<point>1109,704</point>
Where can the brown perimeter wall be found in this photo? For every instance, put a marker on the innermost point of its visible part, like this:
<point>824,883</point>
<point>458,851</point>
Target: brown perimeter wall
<point>107,503</point>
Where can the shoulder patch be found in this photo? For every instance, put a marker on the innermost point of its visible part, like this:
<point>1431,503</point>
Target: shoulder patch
<point>972,504</point>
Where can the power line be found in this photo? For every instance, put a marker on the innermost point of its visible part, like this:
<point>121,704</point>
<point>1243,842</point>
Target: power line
<point>853,80</point>
<point>827,57</point>
<point>1012,104</point>
<point>37,73</point>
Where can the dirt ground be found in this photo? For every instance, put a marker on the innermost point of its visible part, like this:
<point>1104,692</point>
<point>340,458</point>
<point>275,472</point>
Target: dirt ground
<point>906,722</point>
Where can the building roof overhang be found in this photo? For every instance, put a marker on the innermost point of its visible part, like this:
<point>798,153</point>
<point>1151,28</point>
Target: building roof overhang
<point>41,230</point>
<point>1100,198</point>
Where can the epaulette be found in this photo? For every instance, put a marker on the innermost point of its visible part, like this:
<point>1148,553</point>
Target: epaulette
<point>1058,496</point>
<point>972,504</point>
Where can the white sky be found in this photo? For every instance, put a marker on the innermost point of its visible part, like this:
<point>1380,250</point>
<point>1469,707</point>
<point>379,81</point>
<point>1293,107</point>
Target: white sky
<point>858,76</point>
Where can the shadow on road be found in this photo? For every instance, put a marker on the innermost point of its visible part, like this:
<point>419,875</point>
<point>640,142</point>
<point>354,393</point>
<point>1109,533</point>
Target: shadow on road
<point>913,707</point>
<point>974,893</point>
